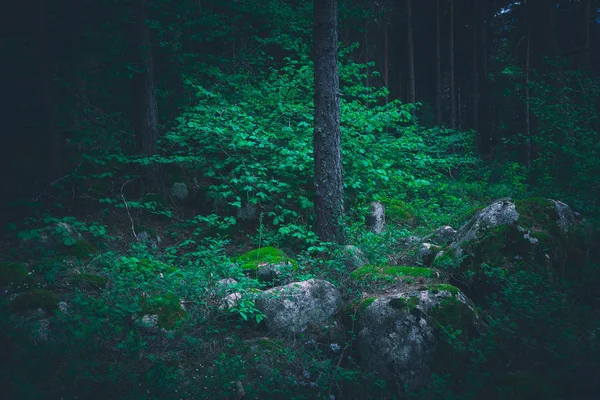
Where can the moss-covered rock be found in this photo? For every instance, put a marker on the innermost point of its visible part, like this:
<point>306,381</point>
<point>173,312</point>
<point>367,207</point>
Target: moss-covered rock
<point>81,249</point>
<point>167,309</point>
<point>537,234</point>
<point>269,264</point>
<point>34,299</point>
<point>390,272</point>
<point>13,274</point>
<point>403,335</point>
<point>456,323</point>
<point>89,281</point>
<point>398,212</point>
<point>264,255</point>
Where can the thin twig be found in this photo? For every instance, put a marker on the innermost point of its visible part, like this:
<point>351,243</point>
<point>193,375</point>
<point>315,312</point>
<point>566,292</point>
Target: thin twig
<point>127,208</point>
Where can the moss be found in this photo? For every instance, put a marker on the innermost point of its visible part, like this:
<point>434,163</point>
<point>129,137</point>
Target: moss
<point>253,259</point>
<point>453,321</point>
<point>166,307</point>
<point>386,272</point>
<point>34,299</point>
<point>362,306</point>
<point>538,213</point>
<point>398,212</point>
<point>401,303</point>
<point>12,273</point>
<point>447,258</point>
<point>81,249</point>
<point>440,287</point>
<point>90,281</point>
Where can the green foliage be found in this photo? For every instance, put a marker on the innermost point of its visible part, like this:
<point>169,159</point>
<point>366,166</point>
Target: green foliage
<point>34,299</point>
<point>89,281</point>
<point>390,272</point>
<point>12,274</point>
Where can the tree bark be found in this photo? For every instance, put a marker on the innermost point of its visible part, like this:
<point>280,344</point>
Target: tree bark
<point>475,66</point>
<point>386,59</point>
<point>528,152</point>
<point>438,67</point>
<point>329,186</point>
<point>48,104</point>
<point>451,61</point>
<point>584,55</point>
<point>411,54</point>
<point>485,138</point>
<point>145,117</point>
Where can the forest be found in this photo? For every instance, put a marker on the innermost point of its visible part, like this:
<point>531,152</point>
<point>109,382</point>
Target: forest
<point>286,199</point>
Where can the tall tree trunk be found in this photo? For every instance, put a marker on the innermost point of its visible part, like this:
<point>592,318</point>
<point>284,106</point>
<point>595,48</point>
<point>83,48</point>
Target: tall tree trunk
<point>451,61</point>
<point>584,24</point>
<point>386,59</point>
<point>411,54</point>
<point>52,137</point>
<point>485,138</point>
<point>528,149</point>
<point>438,67</point>
<point>145,107</point>
<point>475,66</point>
<point>329,185</point>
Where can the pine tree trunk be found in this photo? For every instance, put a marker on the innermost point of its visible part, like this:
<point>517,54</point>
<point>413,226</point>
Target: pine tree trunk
<point>145,105</point>
<point>329,186</point>
<point>411,54</point>
<point>475,66</point>
<point>438,67</point>
<point>584,24</point>
<point>528,149</point>
<point>48,93</point>
<point>486,142</point>
<point>451,61</point>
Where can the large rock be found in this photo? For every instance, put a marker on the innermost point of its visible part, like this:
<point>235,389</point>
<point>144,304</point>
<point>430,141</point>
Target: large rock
<point>180,191</point>
<point>509,234</point>
<point>401,338</point>
<point>353,258</point>
<point>268,264</point>
<point>290,309</point>
<point>444,235</point>
<point>376,217</point>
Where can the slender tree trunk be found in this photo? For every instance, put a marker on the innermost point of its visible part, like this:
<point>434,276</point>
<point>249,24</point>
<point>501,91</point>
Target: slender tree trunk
<point>411,54</point>
<point>475,71</point>
<point>486,142</point>
<point>48,102</point>
<point>145,105</point>
<point>459,108</point>
<point>451,61</point>
<point>367,83</point>
<point>438,67</point>
<point>528,149</point>
<point>386,59</point>
<point>585,52</point>
<point>329,185</point>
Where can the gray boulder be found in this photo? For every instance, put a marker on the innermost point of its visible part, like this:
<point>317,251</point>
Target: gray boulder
<point>290,309</point>
<point>443,235</point>
<point>353,258</point>
<point>400,332</point>
<point>427,252</point>
<point>376,217</point>
<point>521,225</point>
<point>248,212</point>
<point>180,191</point>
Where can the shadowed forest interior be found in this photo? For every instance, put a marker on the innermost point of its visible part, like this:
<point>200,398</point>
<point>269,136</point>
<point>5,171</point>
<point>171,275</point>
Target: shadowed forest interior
<point>285,199</point>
